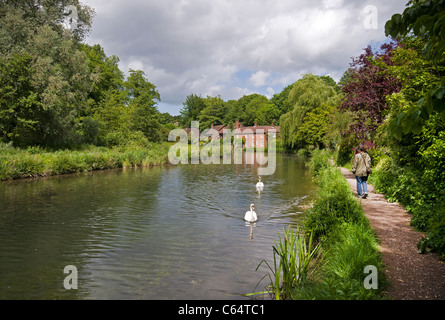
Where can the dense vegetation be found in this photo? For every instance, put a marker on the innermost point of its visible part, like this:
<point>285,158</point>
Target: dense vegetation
<point>57,91</point>
<point>347,241</point>
<point>335,246</point>
<point>60,96</point>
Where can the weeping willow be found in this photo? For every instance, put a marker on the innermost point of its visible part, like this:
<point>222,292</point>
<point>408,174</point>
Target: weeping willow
<point>312,98</point>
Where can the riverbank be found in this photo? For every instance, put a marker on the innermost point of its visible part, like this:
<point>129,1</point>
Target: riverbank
<point>16,163</point>
<point>341,250</point>
<point>412,276</point>
<point>350,248</point>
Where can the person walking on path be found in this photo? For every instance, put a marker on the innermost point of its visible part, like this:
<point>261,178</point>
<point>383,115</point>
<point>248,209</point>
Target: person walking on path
<point>361,168</point>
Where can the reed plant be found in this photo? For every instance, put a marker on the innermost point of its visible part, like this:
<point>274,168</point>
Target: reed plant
<point>16,163</point>
<point>295,258</point>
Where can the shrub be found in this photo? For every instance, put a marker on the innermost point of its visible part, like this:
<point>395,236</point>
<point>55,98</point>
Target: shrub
<point>319,160</point>
<point>335,204</point>
<point>348,244</point>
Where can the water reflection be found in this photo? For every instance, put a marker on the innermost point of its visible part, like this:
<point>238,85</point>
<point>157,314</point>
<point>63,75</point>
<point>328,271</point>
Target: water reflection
<point>160,233</point>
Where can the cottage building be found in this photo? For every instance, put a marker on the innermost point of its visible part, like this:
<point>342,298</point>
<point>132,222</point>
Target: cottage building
<point>255,136</point>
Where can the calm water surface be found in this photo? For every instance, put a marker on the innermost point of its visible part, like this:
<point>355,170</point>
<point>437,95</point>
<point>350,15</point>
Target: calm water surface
<point>175,232</point>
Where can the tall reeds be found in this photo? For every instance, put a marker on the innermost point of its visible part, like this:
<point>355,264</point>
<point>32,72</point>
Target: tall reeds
<point>16,163</point>
<point>295,261</point>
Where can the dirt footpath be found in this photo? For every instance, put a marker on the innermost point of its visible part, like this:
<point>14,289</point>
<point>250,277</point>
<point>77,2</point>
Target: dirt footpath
<point>412,276</point>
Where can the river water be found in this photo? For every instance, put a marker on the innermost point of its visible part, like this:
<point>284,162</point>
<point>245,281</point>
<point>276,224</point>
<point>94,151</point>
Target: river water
<point>172,232</point>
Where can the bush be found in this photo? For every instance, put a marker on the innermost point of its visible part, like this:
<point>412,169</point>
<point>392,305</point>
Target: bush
<point>350,249</point>
<point>421,193</point>
<point>436,234</point>
<point>319,160</point>
<point>348,244</point>
<point>345,151</point>
<point>335,203</point>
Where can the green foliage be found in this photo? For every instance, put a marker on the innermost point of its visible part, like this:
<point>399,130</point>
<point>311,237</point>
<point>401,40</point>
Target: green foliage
<point>345,150</point>
<point>348,251</point>
<point>412,172</point>
<point>306,125</point>
<point>418,76</point>
<point>314,127</point>
<point>319,161</point>
<point>335,204</point>
<point>106,72</point>
<point>267,114</point>
<point>192,107</point>
<point>141,96</point>
<point>347,242</point>
<point>53,81</point>
<point>281,100</point>
<point>57,92</point>
<point>213,113</point>
<point>426,21</point>
<point>295,261</point>
<point>17,163</point>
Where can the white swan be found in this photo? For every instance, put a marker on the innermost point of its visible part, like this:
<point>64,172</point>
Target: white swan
<point>251,216</point>
<point>259,184</point>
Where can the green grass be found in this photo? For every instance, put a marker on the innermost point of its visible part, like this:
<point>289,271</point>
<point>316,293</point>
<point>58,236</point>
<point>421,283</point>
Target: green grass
<point>295,261</point>
<point>16,163</point>
<point>342,244</point>
<point>347,241</point>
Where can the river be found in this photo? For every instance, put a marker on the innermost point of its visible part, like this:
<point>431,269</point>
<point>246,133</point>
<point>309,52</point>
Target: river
<point>171,232</point>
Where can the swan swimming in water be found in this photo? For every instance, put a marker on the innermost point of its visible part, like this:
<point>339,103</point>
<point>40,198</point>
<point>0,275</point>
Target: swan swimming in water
<point>259,184</point>
<point>251,216</point>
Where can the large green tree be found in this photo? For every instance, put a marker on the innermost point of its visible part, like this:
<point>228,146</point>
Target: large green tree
<point>424,19</point>
<point>142,96</point>
<point>192,108</point>
<point>307,94</point>
<point>213,113</point>
<point>45,77</point>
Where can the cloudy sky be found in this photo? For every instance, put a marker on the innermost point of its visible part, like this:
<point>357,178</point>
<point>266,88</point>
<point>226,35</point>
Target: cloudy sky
<point>236,47</point>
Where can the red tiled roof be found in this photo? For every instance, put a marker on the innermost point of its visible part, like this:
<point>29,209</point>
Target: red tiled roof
<point>264,129</point>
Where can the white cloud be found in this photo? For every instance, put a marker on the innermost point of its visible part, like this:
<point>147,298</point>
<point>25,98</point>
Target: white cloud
<point>199,46</point>
<point>328,4</point>
<point>259,79</point>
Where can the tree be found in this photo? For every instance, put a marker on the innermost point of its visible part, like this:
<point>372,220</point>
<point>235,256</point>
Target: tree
<point>192,108</point>
<point>281,100</point>
<point>417,76</point>
<point>267,114</point>
<point>54,83</point>
<point>256,102</point>
<point>425,20</point>
<point>141,97</point>
<point>307,94</point>
<point>366,88</point>
<point>314,126</point>
<point>234,112</point>
<point>105,69</point>
<point>213,113</point>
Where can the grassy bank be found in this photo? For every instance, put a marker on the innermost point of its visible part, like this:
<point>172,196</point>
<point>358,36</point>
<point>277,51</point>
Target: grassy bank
<point>16,163</point>
<point>348,243</point>
<point>343,245</point>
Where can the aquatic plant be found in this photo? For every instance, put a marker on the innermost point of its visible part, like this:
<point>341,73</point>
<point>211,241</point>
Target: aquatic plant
<point>295,260</point>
